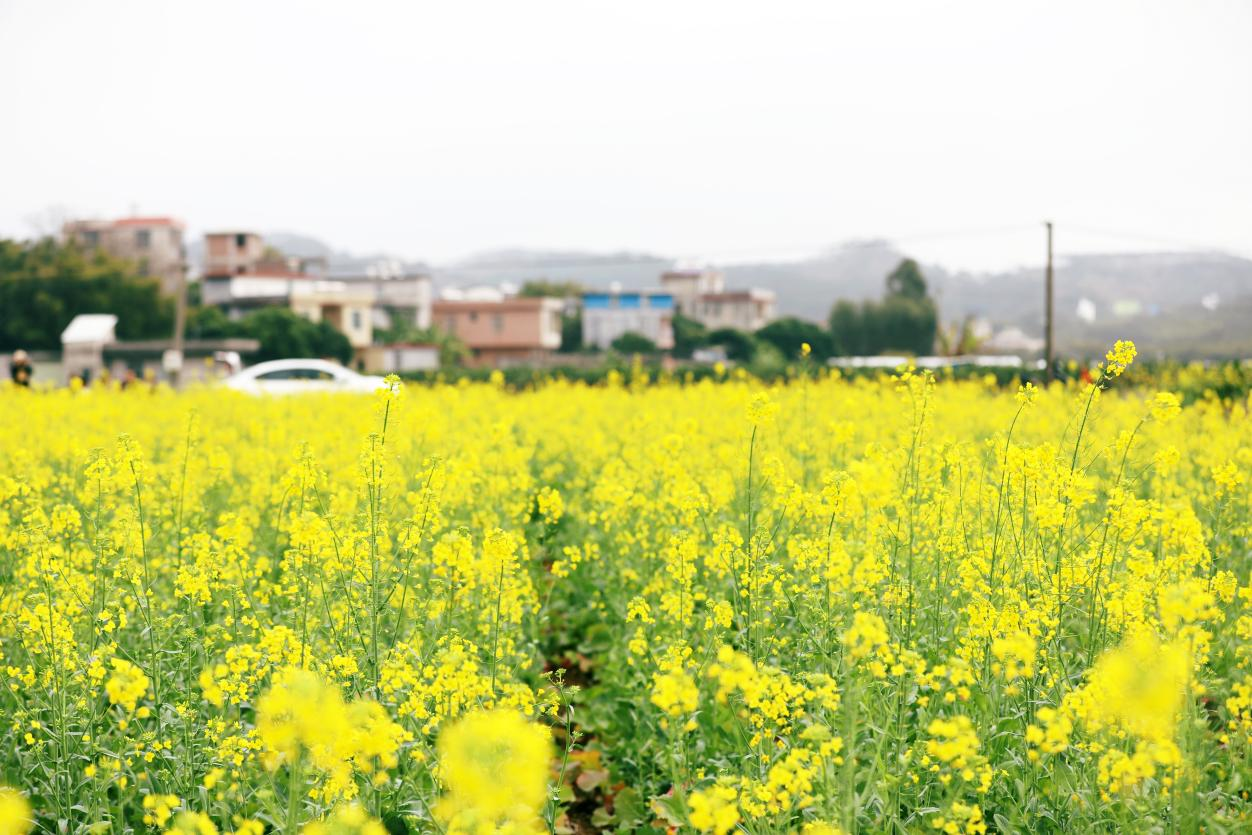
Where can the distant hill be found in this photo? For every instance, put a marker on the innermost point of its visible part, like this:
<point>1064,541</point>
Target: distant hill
<point>1181,304</point>
<point>630,269</point>
<point>1186,332</point>
<point>305,246</point>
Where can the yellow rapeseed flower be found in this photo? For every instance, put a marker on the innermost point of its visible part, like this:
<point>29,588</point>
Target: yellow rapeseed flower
<point>495,767</point>
<point>674,692</point>
<point>1119,358</point>
<point>127,684</point>
<point>714,809</point>
<point>15,817</point>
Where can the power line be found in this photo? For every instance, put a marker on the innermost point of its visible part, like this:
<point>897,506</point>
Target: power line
<point>1048,329</point>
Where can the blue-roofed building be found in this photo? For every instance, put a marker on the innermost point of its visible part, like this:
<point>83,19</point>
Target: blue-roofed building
<point>649,313</point>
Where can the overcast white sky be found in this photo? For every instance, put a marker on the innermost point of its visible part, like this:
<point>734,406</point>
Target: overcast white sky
<point>717,130</point>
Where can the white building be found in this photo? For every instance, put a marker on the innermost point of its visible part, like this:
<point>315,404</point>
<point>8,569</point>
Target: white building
<point>406,297</point>
<point>745,310</point>
<point>346,306</point>
<point>702,295</point>
<point>688,285</point>
<point>649,313</point>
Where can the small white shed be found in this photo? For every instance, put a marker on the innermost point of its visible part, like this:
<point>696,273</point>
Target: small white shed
<point>83,341</point>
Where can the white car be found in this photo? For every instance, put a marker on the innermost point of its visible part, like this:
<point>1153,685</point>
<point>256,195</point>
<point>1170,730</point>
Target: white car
<point>296,376</point>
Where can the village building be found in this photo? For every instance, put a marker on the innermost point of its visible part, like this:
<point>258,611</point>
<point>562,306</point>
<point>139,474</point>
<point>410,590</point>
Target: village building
<point>689,285</point>
<point>702,295</point>
<point>745,310</point>
<point>154,244</point>
<point>242,274</point>
<point>648,313</point>
<point>348,308</point>
<point>500,330</point>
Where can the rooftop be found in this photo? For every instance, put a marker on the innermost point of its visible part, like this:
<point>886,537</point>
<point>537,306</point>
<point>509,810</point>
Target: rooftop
<point>149,221</point>
<point>89,328</point>
<point>515,303</point>
<point>738,296</point>
<point>263,273</point>
<point>647,292</point>
<point>687,273</point>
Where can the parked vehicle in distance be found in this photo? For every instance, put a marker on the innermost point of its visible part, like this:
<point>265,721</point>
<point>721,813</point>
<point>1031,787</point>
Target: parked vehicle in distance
<point>296,376</point>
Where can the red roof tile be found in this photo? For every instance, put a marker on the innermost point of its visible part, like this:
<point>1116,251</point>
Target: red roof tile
<point>148,221</point>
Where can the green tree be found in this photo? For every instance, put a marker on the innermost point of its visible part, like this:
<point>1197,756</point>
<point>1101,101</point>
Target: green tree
<point>688,336</point>
<point>571,333</point>
<point>633,343</point>
<point>739,345</point>
<point>873,328</point>
<point>847,329</point>
<point>906,325</point>
<point>905,320</point>
<point>400,328</point>
<point>789,333</point>
<point>452,351</point>
<point>541,288</point>
<point>907,280</point>
<point>210,323</point>
<point>44,284</point>
<point>286,335</point>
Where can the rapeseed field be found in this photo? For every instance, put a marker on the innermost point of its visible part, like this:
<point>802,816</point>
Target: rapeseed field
<point>818,606</point>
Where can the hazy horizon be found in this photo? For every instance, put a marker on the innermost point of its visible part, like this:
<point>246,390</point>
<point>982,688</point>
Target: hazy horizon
<point>700,131</point>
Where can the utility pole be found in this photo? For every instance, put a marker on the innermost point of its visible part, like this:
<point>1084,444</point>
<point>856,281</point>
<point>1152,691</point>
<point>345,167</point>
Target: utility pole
<point>174,358</point>
<point>1048,356</point>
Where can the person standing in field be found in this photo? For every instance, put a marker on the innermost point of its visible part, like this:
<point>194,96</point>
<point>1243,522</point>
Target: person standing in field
<point>20,369</point>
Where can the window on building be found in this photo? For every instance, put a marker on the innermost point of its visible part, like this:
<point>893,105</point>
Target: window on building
<point>143,238</point>
<point>91,237</point>
<point>356,320</point>
<point>473,315</point>
<point>241,241</point>
<point>497,323</point>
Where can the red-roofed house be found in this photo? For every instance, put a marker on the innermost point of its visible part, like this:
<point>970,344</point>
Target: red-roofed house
<point>504,331</point>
